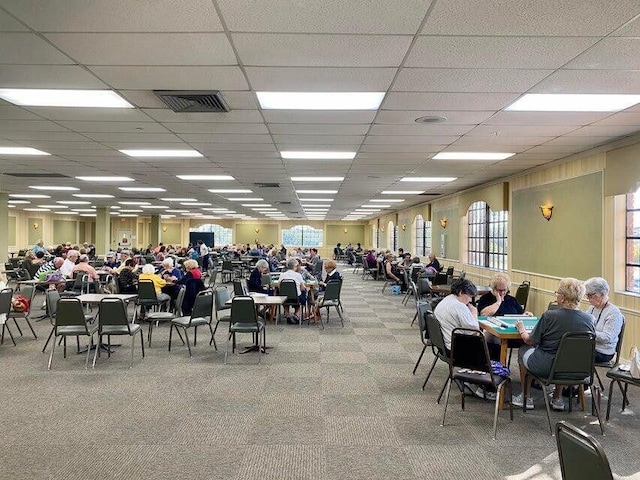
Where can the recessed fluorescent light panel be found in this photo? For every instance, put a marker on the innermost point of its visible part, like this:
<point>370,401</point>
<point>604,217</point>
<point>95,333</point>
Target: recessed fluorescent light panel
<point>106,179</point>
<point>32,97</point>
<point>255,199</point>
<point>53,206</point>
<point>28,195</point>
<point>142,189</point>
<point>162,207</point>
<point>472,156</point>
<point>21,151</point>
<point>179,199</point>
<point>317,179</point>
<point>134,202</point>
<point>92,195</point>
<point>320,100</point>
<point>53,188</point>
<point>318,155</point>
<point>161,153</point>
<point>230,190</point>
<point>256,204</point>
<point>315,200</point>
<point>548,102</point>
<point>429,179</point>
<point>402,192</point>
<point>390,200</point>
<point>73,202</point>
<point>205,177</point>
<point>19,201</point>
<point>196,204</point>
<point>312,205</point>
<point>377,205</point>
<point>326,192</point>
<point>36,210</point>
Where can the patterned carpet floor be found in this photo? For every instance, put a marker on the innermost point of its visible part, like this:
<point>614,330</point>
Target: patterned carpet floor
<point>323,404</point>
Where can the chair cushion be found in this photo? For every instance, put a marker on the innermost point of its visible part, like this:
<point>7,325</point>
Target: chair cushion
<point>159,316</point>
<point>476,378</point>
<point>617,374</point>
<point>184,321</point>
<point>120,329</point>
<point>76,329</point>
<point>246,327</point>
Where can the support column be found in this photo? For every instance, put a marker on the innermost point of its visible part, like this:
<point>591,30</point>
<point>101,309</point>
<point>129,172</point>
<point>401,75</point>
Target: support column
<point>4,226</point>
<point>154,230</point>
<point>103,230</point>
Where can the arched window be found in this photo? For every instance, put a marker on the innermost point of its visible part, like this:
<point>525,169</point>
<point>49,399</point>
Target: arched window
<point>302,236</point>
<point>632,270</point>
<point>422,238</point>
<point>221,236</point>
<point>487,237</point>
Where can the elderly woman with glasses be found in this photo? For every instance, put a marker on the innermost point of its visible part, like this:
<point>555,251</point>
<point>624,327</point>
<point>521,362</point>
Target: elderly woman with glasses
<point>498,302</point>
<point>541,345</point>
<point>608,318</point>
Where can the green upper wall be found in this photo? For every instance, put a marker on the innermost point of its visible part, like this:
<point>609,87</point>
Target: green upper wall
<point>446,241</point>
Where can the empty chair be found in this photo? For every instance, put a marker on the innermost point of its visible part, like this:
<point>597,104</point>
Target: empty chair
<point>51,304</point>
<point>581,456</point>
<point>240,286</point>
<point>421,313</point>
<point>5,307</point>
<point>158,317</point>
<point>470,363</point>
<point>80,286</point>
<point>201,314</point>
<point>227,270</point>
<point>522,293</point>
<point>113,320</point>
<point>221,297</point>
<point>71,321</point>
<point>244,319</point>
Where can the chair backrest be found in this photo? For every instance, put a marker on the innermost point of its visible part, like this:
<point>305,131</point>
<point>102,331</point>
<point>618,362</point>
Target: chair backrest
<point>424,309</point>
<point>243,310</point>
<point>288,288</point>
<point>227,265</point>
<point>332,290</point>
<point>203,305</point>
<point>581,456</point>
<point>440,279</point>
<point>239,287</point>
<point>423,286</point>
<point>5,300</point>
<point>449,272</point>
<point>180,300</point>
<point>469,350</point>
<point>222,296</point>
<point>8,266</point>
<point>435,334</point>
<point>522,293</point>
<point>112,311</point>
<point>317,268</point>
<point>265,279</point>
<point>147,291</point>
<point>70,313</point>
<point>574,359</point>
<point>29,291</point>
<point>51,302</point>
<point>616,357</point>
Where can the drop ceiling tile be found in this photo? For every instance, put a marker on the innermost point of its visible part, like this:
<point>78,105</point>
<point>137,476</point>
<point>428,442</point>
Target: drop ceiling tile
<point>401,148</point>
<point>321,50</point>
<point>146,48</point>
<point>522,17</point>
<point>448,101</point>
<point>558,150</point>
<point>318,116</point>
<point>545,118</point>
<point>610,54</point>
<point>606,130</point>
<point>319,139</point>
<point>467,80</point>
<point>193,127</point>
<point>523,131</point>
<point>216,148</point>
<point>351,147</point>
<point>505,143</point>
<point>495,52</point>
<point>411,139</point>
<point>224,138</point>
<point>90,114</point>
<point>114,127</point>
<point>420,129</point>
<point>148,144</point>
<point>622,118</point>
<point>328,16</point>
<point>632,29</point>
<point>116,15</point>
<point>110,137</point>
<point>48,76</point>
<point>29,126</point>
<point>590,81</point>
<point>43,136</point>
<point>575,140</point>
<point>234,116</point>
<point>327,79</point>
<point>172,78</point>
<point>16,113</point>
<point>317,129</point>
<point>9,24</point>
<point>453,117</point>
<point>28,48</point>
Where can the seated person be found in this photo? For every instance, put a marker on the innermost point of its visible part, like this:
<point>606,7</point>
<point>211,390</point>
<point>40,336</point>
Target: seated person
<point>292,265</point>
<point>332,273</point>
<point>393,274</point>
<point>149,273</point>
<point>371,258</point>
<point>406,261</point>
<point>358,248</point>
<point>337,251</point>
<point>274,260</point>
<point>84,267</point>
<point>498,302</point>
<point>433,264</point>
<point>255,279</point>
<point>192,271</point>
<point>170,274</point>
<point>608,318</point>
<point>542,343</point>
<point>70,262</point>
<point>110,263</point>
<point>128,278</point>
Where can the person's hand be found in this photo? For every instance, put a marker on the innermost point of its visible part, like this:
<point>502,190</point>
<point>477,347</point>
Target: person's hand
<point>520,327</point>
<point>473,309</point>
<point>499,296</point>
<point>528,314</point>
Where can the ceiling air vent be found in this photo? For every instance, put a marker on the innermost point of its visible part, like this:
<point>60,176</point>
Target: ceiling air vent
<point>193,101</point>
<point>36,175</point>
<point>267,185</point>
<point>429,194</point>
<point>282,203</point>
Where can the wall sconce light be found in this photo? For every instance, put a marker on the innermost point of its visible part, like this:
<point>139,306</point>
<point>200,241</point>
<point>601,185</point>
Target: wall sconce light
<point>36,226</point>
<point>345,230</point>
<point>443,222</point>
<point>547,211</point>
<point>403,227</point>
<point>257,230</point>
<point>164,229</point>
<point>382,229</point>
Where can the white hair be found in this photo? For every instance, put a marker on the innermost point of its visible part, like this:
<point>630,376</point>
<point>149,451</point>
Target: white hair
<point>148,268</point>
<point>168,262</point>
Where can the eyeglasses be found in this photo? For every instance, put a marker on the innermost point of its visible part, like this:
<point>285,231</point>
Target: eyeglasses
<point>502,290</point>
<point>591,295</point>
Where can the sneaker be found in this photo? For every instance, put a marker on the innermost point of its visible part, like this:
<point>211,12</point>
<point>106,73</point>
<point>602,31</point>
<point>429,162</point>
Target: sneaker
<point>489,395</point>
<point>557,404</point>
<point>517,401</point>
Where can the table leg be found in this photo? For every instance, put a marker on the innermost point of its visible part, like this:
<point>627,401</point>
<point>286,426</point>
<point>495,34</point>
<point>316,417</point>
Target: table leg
<point>504,347</point>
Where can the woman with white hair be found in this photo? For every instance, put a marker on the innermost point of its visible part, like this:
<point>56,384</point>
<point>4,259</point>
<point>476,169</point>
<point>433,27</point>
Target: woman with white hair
<point>608,318</point>
<point>255,279</point>
<point>541,345</point>
<point>172,275</point>
<point>149,273</point>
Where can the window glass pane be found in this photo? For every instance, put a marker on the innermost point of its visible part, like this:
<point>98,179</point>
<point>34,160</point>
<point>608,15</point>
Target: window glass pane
<point>222,236</point>
<point>632,282</point>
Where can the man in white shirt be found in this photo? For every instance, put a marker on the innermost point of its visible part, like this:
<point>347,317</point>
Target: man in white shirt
<point>291,274</point>
<point>69,263</point>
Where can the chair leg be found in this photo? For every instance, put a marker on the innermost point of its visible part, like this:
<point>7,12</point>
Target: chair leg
<point>546,404</point>
<point>186,336</point>
<point>48,339</point>
<point>609,400</point>
<point>151,332</point>
<point>415,317</point>
<point>15,320</point>
<point>97,351</point>
<point>435,360</point>
<point>31,328</point>
<point>446,400</point>
<point>213,339</point>
<point>142,342</point>
<point>132,342</point>
<point>594,397</point>
<point>170,334</point>
<point>10,334</point>
<point>595,369</point>
<point>86,363</point>
<point>496,408</point>
<point>53,347</point>
<point>419,359</point>
<point>441,392</point>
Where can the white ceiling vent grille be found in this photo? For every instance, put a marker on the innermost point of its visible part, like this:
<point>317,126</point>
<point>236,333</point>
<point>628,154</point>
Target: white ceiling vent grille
<point>193,101</point>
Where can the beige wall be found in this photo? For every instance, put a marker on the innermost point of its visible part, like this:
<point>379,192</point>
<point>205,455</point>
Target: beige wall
<point>344,233</point>
<point>65,231</point>
<point>171,233</point>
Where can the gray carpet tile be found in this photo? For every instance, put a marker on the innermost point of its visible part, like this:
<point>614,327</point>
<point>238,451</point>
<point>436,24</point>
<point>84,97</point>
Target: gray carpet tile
<point>328,403</point>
